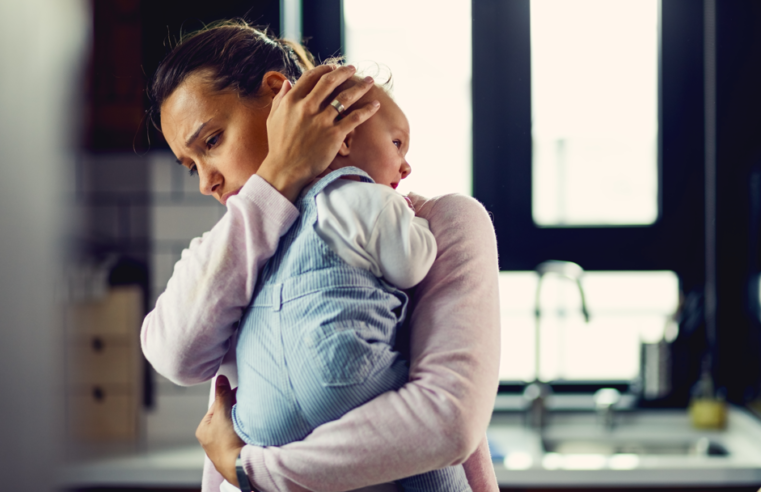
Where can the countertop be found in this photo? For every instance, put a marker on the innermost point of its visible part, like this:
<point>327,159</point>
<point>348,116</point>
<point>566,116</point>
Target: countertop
<point>181,465</point>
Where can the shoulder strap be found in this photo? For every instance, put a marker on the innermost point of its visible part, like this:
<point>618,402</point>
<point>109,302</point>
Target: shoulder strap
<point>334,175</point>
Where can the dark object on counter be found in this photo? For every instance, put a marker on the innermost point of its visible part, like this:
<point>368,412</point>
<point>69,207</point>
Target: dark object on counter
<point>654,370</point>
<point>671,387</point>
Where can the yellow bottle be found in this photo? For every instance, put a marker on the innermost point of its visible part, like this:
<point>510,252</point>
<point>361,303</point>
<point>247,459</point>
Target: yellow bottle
<point>706,410</point>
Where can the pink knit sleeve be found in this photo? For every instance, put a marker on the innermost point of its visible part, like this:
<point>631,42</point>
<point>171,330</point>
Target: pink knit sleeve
<point>439,418</point>
<point>187,334</point>
<point>480,470</point>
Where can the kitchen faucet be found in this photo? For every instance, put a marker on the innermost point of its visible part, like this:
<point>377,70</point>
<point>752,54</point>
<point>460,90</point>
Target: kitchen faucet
<point>538,391</point>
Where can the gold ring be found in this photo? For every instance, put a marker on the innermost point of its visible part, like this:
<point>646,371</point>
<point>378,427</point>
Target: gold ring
<point>338,106</point>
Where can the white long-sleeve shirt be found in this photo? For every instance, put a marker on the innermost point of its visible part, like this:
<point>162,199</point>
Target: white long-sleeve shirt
<point>371,226</point>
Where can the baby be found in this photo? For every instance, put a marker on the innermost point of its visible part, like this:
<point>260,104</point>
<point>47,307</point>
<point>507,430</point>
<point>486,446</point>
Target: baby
<point>318,337</point>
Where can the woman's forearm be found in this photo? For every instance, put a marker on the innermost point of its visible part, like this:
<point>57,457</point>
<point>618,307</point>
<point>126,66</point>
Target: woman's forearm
<point>187,334</point>
<point>440,417</point>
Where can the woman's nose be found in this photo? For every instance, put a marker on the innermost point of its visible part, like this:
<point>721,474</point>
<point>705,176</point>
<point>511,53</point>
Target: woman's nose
<point>208,180</point>
<point>406,169</point>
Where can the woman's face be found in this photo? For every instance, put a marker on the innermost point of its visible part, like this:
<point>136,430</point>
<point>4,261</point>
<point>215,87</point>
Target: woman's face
<point>217,135</point>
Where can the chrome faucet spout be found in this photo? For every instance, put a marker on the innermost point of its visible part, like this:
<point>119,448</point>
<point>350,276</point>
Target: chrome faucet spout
<point>537,393</point>
<point>567,269</point>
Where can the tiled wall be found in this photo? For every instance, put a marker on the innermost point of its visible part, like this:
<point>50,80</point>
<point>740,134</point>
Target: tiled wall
<point>148,208</point>
<point>112,205</point>
<point>178,213</point>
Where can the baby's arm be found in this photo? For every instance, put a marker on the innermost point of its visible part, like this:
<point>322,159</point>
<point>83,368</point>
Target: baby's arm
<point>402,244</point>
<point>371,226</point>
<point>187,334</point>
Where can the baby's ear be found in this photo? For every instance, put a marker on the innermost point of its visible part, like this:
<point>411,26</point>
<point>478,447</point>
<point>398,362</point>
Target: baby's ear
<point>345,149</point>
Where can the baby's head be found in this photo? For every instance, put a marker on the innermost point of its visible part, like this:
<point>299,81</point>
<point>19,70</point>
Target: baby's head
<point>379,145</point>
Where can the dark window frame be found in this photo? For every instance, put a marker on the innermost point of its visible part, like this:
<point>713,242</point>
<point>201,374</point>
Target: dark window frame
<point>502,156</point>
<point>502,151</point>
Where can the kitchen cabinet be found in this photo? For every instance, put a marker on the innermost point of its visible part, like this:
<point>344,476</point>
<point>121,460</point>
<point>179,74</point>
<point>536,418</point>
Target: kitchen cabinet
<point>104,366</point>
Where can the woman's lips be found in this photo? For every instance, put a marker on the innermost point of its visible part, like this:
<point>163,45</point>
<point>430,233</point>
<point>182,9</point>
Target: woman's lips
<point>226,196</point>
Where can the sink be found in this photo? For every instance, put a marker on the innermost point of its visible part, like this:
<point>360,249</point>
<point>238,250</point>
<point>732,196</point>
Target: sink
<point>701,446</point>
<point>645,447</point>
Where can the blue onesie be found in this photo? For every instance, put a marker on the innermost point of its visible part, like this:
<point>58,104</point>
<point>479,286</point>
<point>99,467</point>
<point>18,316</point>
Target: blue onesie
<point>317,341</point>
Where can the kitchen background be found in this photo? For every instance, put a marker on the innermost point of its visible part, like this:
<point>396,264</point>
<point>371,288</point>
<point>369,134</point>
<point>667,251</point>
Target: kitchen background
<point>624,136</point>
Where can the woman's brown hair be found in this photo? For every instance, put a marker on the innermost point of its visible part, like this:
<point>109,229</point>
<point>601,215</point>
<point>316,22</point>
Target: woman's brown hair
<point>236,57</point>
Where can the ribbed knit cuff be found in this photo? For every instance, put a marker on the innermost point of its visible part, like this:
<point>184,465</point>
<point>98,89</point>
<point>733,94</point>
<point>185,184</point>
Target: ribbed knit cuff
<point>258,192</point>
<point>252,458</point>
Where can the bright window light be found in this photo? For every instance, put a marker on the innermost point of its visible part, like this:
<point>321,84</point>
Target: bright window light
<point>427,48</point>
<point>625,308</point>
<point>594,97</point>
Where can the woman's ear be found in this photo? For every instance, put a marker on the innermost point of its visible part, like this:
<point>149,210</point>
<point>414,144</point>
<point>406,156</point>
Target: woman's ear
<point>272,82</point>
<point>346,145</point>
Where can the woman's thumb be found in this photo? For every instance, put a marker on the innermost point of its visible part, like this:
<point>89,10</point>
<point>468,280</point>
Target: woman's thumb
<point>222,388</point>
<point>284,89</point>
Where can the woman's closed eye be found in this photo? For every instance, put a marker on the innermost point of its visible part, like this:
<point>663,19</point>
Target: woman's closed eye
<point>212,141</point>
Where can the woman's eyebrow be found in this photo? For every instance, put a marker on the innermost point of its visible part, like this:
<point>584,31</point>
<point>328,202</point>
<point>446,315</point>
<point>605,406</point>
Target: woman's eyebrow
<point>196,133</point>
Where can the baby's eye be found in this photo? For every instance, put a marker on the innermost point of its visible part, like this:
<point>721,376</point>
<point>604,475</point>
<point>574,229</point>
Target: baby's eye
<point>192,170</point>
<point>398,144</point>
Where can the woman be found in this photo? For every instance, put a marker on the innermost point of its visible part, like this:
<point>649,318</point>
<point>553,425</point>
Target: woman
<point>229,112</point>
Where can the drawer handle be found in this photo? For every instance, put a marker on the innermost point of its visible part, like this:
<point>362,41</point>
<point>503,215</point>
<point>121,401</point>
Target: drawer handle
<point>97,344</point>
<point>98,393</point>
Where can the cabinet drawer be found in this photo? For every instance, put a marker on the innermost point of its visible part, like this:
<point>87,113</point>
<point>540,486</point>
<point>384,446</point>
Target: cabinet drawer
<point>102,360</point>
<point>119,313</point>
<point>102,412</point>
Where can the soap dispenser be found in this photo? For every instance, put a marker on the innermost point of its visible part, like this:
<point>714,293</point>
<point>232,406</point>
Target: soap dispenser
<point>707,409</point>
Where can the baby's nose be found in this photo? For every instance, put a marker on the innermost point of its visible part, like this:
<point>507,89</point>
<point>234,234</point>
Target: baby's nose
<point>406,169</point>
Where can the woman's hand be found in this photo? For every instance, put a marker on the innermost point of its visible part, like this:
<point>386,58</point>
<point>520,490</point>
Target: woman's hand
<point>217,435</point>
<point>303,131</point>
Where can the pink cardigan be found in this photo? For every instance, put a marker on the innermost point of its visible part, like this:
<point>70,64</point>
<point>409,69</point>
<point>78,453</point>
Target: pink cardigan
<point>437,419</point>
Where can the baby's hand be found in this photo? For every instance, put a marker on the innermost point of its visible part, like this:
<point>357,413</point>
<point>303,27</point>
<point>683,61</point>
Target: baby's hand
<point>409,202</point>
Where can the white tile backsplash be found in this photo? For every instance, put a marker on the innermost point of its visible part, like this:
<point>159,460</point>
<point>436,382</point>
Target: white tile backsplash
<point>182,222</point>
<point>149,208</point>
<point>113,173</point>
<point>104,222</point>
<point>167,176</point>
<point>161,163</point>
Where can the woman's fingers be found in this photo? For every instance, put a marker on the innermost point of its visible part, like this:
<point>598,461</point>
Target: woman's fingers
<point>309,78</point>
<point>216,432</point>
<point>285,89</point>
<point>303,134</point>
<point>351,95</point>
<point>327,84</point>
<point>224,393</point>
<point>357,117</point>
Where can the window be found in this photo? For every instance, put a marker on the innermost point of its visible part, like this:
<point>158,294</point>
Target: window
<point>535,114</point>
<point>427,49</point>
<point>594,103</point>
<point>625,308</point>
